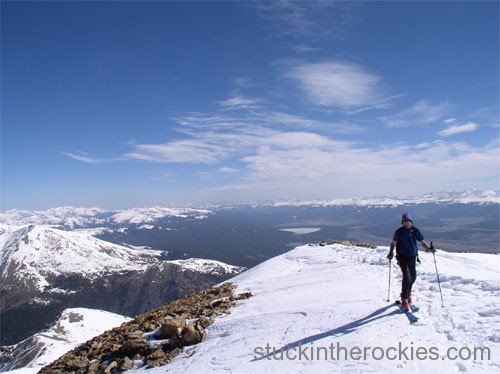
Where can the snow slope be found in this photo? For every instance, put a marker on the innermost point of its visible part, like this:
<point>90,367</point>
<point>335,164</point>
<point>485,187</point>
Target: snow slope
<point>324,310</point>
<point>35,252</point>
<point>75,326</point>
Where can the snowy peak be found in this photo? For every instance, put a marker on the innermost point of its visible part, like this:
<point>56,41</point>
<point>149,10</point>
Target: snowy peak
<point>75,326</point>
<point>72,218</point>
<point>470,196</point>
<point>69,217</point>
<point>208,266</point>
<point>148,215</point>
<point>35,252</point>
<point>47,269</point>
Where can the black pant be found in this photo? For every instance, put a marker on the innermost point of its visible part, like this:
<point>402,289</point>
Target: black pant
<point>408,268</point>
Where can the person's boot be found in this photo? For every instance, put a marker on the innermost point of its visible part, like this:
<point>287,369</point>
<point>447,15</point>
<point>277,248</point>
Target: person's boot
<point>405,305</point>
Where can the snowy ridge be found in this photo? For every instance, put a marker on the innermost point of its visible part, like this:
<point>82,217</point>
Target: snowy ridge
<point>75,326</point>
<point>146,215</point>
<point>324,303</point>
<point>35,252</point>
<point>208,266</point>
<point>71,218</point>
<point>65,216</point>
<point>471,196</point>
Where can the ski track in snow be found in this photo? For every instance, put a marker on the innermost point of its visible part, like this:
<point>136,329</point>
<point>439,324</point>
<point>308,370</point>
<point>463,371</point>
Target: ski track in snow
<point>317,297</point>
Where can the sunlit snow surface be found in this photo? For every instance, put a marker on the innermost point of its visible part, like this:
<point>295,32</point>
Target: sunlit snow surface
<point>75,326</point>
<point>314,304</point>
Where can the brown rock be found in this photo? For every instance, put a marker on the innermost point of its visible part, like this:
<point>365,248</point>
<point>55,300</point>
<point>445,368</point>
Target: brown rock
<point>172,328</point>
<point>78,362</point>
<point>135,335</point>
<point>125,364</point>
<point>131,347</point>
<point>110,367</point>
<point>159,362</point>
<point>157,354</point>
<point>94,367</point>
<point>205,321</point>
<point>190,335</point>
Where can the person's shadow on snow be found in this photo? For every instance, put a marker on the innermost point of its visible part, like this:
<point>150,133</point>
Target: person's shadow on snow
<point>338,331</point>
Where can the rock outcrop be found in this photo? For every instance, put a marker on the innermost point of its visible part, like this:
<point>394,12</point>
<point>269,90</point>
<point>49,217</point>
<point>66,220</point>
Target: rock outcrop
<point>153,338</point>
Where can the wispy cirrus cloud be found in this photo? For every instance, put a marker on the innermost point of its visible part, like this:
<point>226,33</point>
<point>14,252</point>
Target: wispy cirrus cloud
<point>421,113</point>
<point>86,158</point>
<point>237,102</point>
<point>458,129</point>
<point>308,20</point>
<point>210,138</point>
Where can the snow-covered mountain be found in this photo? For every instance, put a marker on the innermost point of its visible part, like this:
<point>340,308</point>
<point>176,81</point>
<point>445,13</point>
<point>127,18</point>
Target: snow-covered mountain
<point>471,196</point>
<point>44,270</point>
<point>323,310</point>
<point>35,254</point>
<point>75,326</point>
<point>71,218</point>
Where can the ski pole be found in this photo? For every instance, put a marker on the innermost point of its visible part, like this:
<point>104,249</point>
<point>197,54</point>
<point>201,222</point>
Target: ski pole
<point>389,288</point>
<point>437,273</point>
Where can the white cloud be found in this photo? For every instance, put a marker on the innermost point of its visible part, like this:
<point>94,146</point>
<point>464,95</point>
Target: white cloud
<point>347,170</point>
<point>179,151</point>
<point>458,129</point>
<point>422,113</point>
<point>276,154</point>
<point>240,102</point>
<point>338,84</point>
<point>85,157</point>
<point>228,170</point>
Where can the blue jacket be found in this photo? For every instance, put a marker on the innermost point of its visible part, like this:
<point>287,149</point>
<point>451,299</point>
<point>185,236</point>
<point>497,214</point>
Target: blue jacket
<point>407,241</point>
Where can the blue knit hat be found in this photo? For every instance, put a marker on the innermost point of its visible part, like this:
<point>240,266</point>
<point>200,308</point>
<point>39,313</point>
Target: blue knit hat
<point>406,217</point>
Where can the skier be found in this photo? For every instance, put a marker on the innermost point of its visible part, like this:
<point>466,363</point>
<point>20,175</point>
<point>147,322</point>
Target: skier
<point>405,240</point>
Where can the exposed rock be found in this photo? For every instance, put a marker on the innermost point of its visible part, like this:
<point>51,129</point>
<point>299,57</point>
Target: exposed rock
<point>110,367</point>
<point>172,328</point>
<point>347,243</point>
<point>125,364</point>
<point>131,347</point>
<point>77,363</point>
<point>190,335</point>
<point>154,337</point>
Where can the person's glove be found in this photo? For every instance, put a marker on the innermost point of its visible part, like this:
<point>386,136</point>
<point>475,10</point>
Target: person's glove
<point>432,248</point>
<point>390,256</point>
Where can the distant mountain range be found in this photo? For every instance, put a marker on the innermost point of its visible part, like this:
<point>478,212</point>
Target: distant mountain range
<point>73,218</point>
<point>470,196</point>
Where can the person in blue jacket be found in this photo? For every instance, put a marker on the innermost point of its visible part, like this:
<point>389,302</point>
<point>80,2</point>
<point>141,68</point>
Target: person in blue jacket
<point>405,241</point>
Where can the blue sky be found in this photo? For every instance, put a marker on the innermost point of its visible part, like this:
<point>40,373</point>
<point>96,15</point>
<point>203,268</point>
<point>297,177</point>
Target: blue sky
<point>122,104</point>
